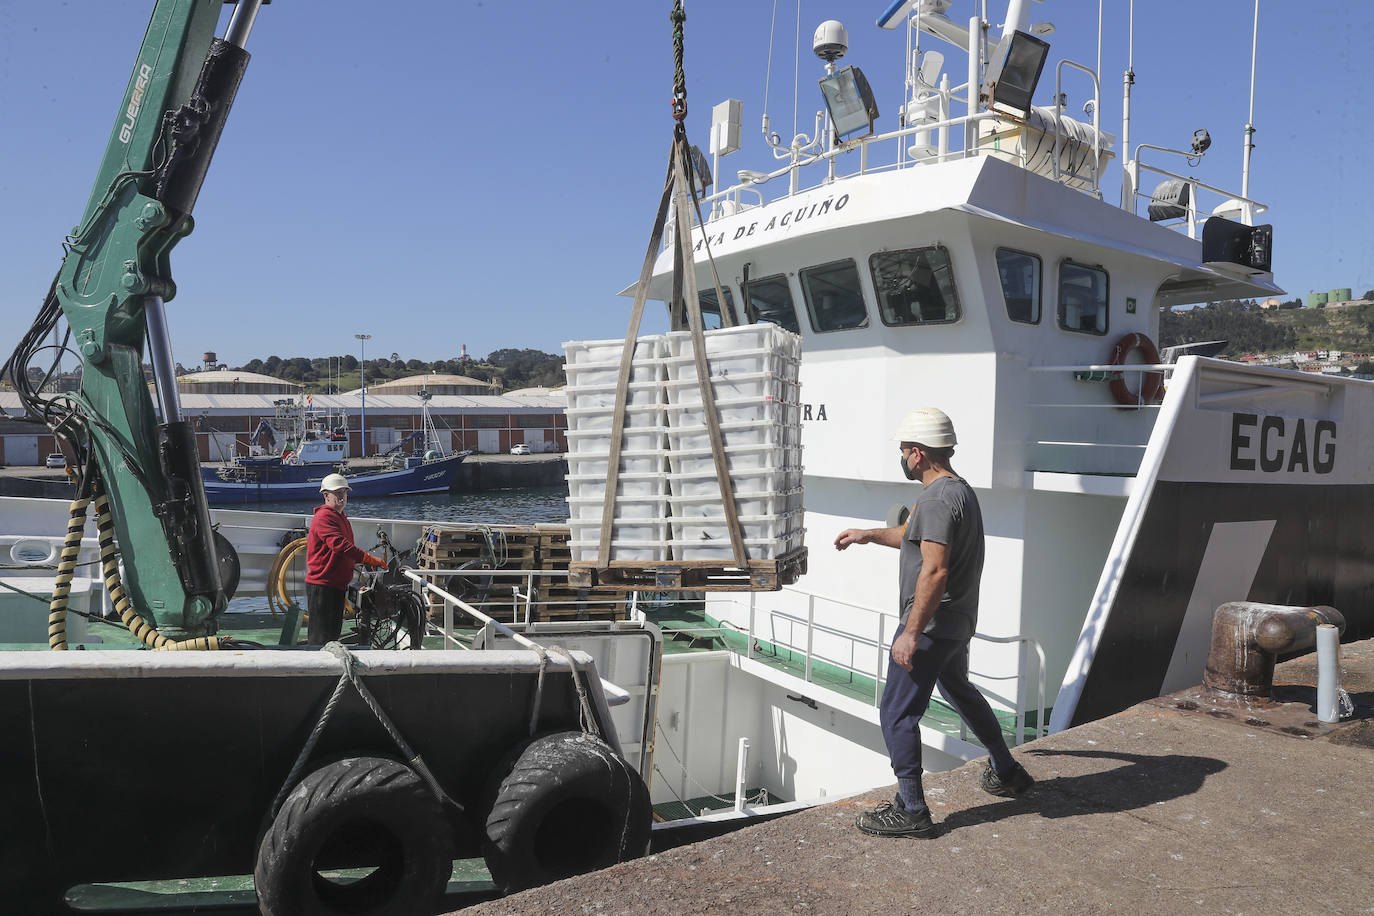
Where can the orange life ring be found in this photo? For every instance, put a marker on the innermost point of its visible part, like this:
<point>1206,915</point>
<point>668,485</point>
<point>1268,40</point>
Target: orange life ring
<point>1151,383</point>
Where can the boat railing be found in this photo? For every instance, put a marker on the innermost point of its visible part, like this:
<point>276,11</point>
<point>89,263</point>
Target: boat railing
<point>614,695</point>
<point>885,624</point>
<point>1232,205</point>
<point>524,590</point>
<point>933,141</point>
<point>798,159</point>
<point>1067,431</point>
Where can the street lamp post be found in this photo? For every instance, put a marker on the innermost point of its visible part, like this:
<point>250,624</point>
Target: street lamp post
<point>362,382</point>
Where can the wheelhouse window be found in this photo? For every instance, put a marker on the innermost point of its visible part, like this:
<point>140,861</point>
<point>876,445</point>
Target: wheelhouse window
<point>834,299</point>
<point>915,286</point>
<point>1020,274</point>
<point>710,306</point>
<point>1082,298</point>
<point>771,300</point>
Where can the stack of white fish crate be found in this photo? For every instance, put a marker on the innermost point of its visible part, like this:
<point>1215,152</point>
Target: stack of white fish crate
<point>668,498</point>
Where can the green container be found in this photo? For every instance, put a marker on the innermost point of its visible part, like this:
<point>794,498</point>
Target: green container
<point>1315,299</point>
<point>1339,295</point>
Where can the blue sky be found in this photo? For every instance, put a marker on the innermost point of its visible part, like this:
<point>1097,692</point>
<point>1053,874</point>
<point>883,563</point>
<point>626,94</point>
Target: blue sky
<point>438,172</point>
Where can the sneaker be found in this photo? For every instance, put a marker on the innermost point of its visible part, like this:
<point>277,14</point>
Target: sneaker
<point>1007,787</point>
<point>893,819</point>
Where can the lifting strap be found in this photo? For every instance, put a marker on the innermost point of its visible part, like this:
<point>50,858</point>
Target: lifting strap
<point>677,183</point>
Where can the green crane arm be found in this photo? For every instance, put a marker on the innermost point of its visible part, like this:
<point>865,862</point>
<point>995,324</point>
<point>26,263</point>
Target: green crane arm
<point>111,287</point>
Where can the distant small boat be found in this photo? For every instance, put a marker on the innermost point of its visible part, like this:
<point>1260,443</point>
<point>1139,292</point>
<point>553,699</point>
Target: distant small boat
<point>294,450</point>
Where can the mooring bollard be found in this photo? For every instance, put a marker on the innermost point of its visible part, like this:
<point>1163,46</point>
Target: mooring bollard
<point>1246,636</point>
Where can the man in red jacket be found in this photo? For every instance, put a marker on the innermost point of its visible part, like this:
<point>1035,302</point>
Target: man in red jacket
<point>330,556</point>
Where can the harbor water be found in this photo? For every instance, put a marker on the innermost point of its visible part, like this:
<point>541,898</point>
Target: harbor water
<point>520,506</point>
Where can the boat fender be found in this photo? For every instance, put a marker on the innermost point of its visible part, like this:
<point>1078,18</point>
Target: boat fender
<point>1151,383</point>
<point>359,811</point>
<point>569,805</point>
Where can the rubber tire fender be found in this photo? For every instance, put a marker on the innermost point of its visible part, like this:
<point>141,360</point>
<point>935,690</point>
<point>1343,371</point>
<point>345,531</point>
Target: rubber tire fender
<point>570,805</point>
<point>1151,383</point>
<point>347,803</point>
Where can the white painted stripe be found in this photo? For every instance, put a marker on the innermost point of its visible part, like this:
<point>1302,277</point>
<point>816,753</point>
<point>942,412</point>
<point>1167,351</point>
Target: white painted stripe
<point>1233,555</point>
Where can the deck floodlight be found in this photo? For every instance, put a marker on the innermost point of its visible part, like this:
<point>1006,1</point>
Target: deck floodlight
<point>1015,82</point>
<point>851,103</point>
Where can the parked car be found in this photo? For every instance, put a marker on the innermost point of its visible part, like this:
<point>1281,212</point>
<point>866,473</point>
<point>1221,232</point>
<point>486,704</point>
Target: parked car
<point>521,449</point>
<point>57,460</point>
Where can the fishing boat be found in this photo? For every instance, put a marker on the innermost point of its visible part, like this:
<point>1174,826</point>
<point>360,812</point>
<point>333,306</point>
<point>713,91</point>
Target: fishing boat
<point>291,452</point>
<point>968,258</point>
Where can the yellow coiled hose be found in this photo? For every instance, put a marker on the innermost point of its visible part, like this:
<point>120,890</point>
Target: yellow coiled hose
<point>279,598</point>
<point>145,632</point>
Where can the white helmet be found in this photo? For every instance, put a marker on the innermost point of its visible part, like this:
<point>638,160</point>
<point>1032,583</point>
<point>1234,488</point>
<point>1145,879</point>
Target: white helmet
<point>926,426</point>
<point>334,482</point>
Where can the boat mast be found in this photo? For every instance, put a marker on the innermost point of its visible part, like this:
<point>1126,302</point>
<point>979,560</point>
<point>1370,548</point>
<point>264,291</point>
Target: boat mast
<point>1127,81</point>
<point>1249,138</point>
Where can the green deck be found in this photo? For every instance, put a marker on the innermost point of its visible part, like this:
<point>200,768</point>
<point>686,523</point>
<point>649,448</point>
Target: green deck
<point>687,629</point>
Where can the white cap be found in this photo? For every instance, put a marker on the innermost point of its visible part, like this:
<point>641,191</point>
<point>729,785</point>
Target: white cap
<point>926,426</point>
<point>334,482</point>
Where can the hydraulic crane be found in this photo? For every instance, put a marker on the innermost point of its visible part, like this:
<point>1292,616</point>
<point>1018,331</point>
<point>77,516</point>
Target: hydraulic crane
<point>112,286</point>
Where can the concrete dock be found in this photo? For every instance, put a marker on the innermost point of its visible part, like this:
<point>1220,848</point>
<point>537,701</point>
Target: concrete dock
<point>1169,807</point>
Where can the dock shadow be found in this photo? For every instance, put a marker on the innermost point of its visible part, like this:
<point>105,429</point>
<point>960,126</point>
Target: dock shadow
<point>1144,780</point>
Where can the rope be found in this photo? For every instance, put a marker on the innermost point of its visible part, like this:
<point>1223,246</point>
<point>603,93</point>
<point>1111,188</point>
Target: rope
<point>678,17</point>
<point>350,676</point>
<point>586,719</point>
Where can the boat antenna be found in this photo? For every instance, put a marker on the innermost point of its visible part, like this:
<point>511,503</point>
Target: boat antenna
<point>796,70</point>
<point>768,74</point>
<point>1127,81</point>
<point>1249,140</point>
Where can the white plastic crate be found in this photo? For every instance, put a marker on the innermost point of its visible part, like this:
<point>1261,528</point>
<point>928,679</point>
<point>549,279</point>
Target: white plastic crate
<point>768,480</point>
<point>754,527</point>
<point>598,464</point>
<point>630,508</point>
<point>737,458</point>
<point>757,386</point>
<point>634,486</point>
<point>734,435</point>
<point>738,410</point>
<point>586,442</point>
<point>720,551</point>
<point>582,352</point>
<point>735,362</point>
<point>746,504</point>
<point>588,419</point>
<point>602,396</point>
<point>585,549</point>
<point>641,370</point>
<point>763,335</point>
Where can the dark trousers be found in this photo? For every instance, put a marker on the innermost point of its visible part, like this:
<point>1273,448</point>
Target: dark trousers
<point>325,606</point>
<point>907,694</point>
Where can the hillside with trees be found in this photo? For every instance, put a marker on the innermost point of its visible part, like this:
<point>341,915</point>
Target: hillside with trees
<point>514,368</point>
<point>1250,329</point>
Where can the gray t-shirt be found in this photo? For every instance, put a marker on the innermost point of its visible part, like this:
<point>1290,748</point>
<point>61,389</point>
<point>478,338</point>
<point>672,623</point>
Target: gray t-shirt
<point>946,512</point>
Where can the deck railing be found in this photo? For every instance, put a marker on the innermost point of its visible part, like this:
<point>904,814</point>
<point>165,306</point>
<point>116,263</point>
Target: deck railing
<point>884,623</point>
<point>878,646</point>
<point>1055,410</point>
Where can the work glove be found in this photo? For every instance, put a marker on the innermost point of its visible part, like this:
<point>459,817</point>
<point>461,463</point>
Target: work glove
<point>375,562</point>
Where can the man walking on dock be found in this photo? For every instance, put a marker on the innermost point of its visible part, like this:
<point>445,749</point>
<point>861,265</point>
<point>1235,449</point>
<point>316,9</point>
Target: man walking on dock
<point>940,568</point>
<point>330,556</point>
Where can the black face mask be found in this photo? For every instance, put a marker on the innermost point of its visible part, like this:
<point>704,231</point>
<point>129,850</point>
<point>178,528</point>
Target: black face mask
<point>906,470</point>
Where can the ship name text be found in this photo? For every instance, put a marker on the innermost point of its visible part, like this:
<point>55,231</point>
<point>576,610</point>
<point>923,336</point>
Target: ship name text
<point>1282,444</point>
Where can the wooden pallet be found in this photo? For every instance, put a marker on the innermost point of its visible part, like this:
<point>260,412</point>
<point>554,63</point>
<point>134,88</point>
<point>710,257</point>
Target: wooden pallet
<point>690,575</point>
<point>515,547</point>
